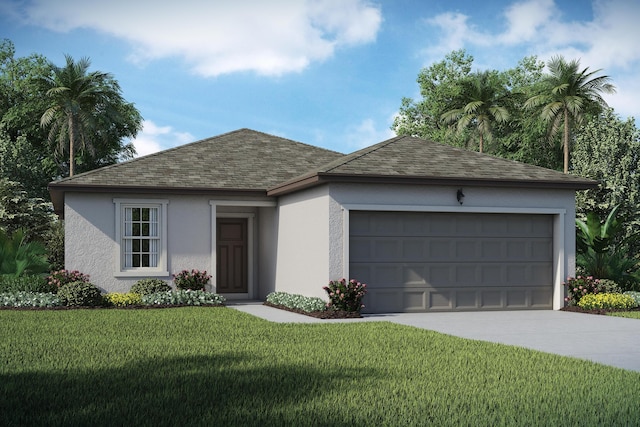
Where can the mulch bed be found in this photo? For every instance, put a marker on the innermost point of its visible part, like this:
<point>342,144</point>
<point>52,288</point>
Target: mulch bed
<point>327,314</point>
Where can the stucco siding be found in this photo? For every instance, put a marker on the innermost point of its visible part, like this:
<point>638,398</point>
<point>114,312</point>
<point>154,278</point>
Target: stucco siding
<point>91,245</point>
<point>89,238</point>
<point>303,242</point>
<point>267,251</point>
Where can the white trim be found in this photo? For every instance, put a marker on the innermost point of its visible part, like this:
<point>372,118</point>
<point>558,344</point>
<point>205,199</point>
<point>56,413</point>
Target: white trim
<point>559,260</point>
<point>559,243</point>
<point>250,246</point>
<point>461,209</point>
<point>244,203</point>
<point>161,270</point>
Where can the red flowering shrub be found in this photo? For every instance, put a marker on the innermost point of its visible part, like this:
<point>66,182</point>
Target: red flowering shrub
<point>194,280</point>
<point>577,287</point>
<point>345,295</point>
<point>60,278</point>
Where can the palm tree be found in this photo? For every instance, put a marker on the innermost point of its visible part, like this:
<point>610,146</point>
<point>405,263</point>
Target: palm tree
<point>568,93</point>
<point>480,100</point>
<point>78,98</point>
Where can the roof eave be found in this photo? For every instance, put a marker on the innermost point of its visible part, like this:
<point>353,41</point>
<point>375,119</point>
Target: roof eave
<point>321,178</point>
<point>57,191</point>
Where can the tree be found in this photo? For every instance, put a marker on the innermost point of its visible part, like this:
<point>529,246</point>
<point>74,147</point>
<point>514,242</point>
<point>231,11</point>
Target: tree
<point>480,105</point>
<point>22,95</point>
<point>23,162</point>
<point>568,94</point>
<point>440,84</point>
<point>522,137</point>
<point>26,154</point>
<point>19,211</point>
<point>607,149</point>
<point>87,112</point>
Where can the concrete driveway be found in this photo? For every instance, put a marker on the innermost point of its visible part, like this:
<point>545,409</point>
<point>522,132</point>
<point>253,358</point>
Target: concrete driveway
<point>613,341</point>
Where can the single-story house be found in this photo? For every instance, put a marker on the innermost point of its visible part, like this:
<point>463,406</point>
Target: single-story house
<point>426,226</point>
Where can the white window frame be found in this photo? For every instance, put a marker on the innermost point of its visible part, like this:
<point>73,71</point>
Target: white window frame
<point>161,269</point>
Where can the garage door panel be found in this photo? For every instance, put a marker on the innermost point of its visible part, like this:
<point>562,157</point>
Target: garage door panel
<point>383,300</point>
<point>360,250</point>
<point>539,297</point>
<point>440,248</point>
<point>386,249</point>
<point>417,261</point>
<point>414,275</point>
<point>414,250</point>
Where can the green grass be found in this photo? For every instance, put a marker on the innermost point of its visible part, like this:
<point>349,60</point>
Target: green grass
<point>218,366</point>
<point>628,314</point>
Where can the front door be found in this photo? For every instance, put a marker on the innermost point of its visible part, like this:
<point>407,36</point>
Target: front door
<point>231,252</point>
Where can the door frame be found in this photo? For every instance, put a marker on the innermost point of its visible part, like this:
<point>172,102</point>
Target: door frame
<point>251,245</point>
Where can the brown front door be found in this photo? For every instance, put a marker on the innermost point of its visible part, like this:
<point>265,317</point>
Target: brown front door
<point>231,256</point>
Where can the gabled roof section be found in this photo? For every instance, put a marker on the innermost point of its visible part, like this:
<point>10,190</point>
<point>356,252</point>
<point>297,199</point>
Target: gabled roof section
<point>405,159</point>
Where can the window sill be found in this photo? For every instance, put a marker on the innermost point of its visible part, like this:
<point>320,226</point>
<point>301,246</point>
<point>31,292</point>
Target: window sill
<point>142,273</point>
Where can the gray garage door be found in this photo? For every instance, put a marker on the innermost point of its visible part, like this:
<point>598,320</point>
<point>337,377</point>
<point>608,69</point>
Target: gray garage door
<point>416,261</point>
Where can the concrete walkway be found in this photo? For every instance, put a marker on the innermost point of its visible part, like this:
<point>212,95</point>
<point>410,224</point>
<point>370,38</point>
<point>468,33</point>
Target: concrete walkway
<point>613,341</point>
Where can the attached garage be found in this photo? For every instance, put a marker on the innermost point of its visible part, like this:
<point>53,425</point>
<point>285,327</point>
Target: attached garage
<point>446,261</point>
<point>430,228</point>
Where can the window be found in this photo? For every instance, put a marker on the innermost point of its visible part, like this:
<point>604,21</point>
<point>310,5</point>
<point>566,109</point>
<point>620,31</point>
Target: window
<point>141,236</point>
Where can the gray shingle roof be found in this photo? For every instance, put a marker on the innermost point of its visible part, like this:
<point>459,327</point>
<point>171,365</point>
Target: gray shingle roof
<point>243,159</point>
<point>250,161</point>
<point>408,157</point>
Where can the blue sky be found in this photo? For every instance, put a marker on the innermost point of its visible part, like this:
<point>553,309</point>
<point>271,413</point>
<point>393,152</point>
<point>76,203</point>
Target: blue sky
<point>330,73</point>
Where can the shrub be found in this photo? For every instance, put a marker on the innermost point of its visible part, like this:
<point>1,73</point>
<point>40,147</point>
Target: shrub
<point>150,286</point>
<point>635,295</point>
<point>80,294</point>
<point>60,278</point>
<point>29,299</point>
<point>345,295</point>
<point>19,256</point>
<point>183,297</point>
<point>300,302</point>
<point>577,287</point>
<point>118,299</point>
<point>32,283</point>
<point>609,286</point>
<point>606,301</point>
<point>191,280</point>
<point>54,241</point>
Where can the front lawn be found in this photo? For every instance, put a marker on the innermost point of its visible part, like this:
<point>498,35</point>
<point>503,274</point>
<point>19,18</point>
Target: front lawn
<point>628,314</point>
<point>218,366</point>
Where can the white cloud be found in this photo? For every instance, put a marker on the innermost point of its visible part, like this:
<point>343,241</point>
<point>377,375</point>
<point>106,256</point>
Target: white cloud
<point>154,138</point>
<point>609,41</point>
<point>525,19</point>
<point>218,37</point>
<point>365,134</point>
<point>456,33</point>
